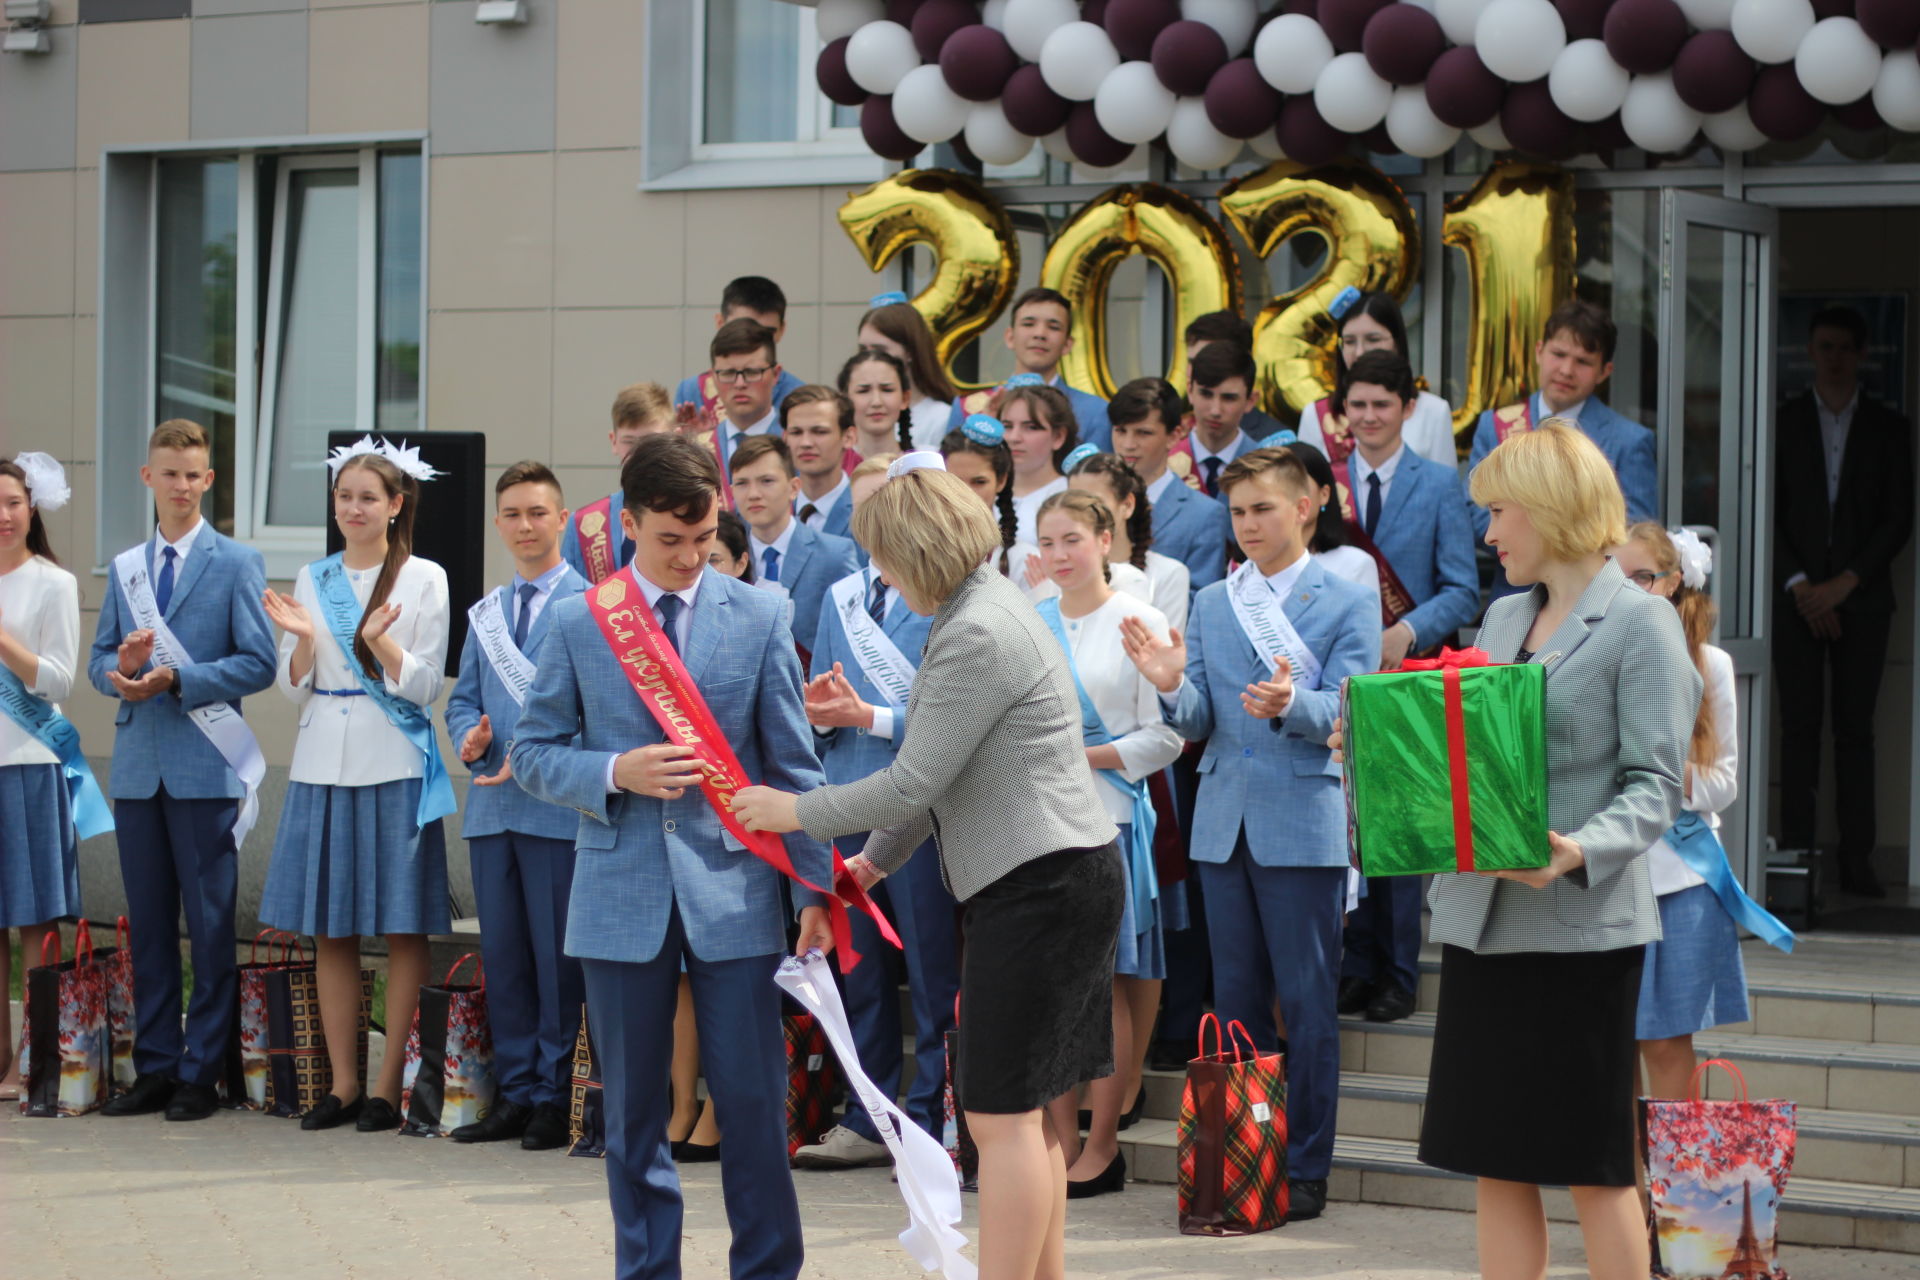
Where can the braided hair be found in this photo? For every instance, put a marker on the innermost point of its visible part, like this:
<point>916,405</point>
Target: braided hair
<point>903,427</point>
<point>1001,458</point>
<point>1125,482</point>
<point>1089,511</point>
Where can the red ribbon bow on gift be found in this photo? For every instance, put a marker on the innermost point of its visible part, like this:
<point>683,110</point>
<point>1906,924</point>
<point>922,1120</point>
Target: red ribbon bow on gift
<point>1449,664</point>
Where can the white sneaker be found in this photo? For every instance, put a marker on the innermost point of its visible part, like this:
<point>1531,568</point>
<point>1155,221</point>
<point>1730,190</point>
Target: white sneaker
<point>842,1148</point>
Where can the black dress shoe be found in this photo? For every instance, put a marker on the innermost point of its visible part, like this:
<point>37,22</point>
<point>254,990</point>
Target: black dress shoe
<point>1355,995</point>
<point>330,1111</point>
<point>1111,1178</point>
<point>150,1092</point>
<point>547,1129</point>
<point>378,1116</point>
<point>1392,1004</point>
<point>193,1102</point>
<point>1306,1198</point>
<point>1132,1114</point>
<point>506,1120</point>
<point>694,1152</point>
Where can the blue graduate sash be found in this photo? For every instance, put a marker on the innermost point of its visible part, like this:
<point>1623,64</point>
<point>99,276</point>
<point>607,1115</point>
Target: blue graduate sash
<point>343,612</point>
<point>1700,848</point>
<point>91,816</point>
<point>1093,730</point>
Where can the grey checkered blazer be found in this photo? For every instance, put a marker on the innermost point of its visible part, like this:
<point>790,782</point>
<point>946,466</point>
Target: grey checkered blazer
<point>1621,700</point>
<point>992,763</point>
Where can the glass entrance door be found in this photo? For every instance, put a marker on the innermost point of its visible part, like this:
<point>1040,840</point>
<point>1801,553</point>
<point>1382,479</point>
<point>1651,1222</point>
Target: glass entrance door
<point>1717,302</point>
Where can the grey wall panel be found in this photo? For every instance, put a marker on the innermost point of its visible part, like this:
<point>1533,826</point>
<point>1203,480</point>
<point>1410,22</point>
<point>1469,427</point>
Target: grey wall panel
<point>491,87</point>
<point>38,101</point>
<point>215,8</point>
<point>132,10</point>
<point>249,76</point>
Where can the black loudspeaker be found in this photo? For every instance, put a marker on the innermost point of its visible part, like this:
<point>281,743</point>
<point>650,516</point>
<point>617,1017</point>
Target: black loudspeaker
<point>450,526</point>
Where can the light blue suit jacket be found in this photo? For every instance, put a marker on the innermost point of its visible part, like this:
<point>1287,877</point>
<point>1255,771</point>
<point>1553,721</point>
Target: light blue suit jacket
<point>1275,778</point>
<point>813,563</point>
<point>839,523</point>
<point>479,691</point>
<point>1628,446</point>
<point>851,754</point>
<point>1424,534</point>
<point>570,540</point>
<point>217,614</point>
<point>639,858</point>
<point>1193,529</point>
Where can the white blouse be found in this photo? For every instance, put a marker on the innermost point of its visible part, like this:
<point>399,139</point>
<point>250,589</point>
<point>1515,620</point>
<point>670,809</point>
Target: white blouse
<point>1027,509</point>
<point>1429,431</point>
<point>1710,788</point>
<point>349,742</point>
<point>1126,701</point>
<point>40,607</point>
<point>928,422</point>
<point>1355,566</point>
<point>1170,587</point>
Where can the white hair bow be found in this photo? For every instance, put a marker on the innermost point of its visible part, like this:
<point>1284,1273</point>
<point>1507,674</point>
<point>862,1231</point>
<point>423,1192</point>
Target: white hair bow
<point>47,487</point>
<point>1696,557</point>
<point>914,461</point>
<point>404,456</point>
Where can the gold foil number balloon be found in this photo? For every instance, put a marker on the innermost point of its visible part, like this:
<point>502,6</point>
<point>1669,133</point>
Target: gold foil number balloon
<point>1172,230</point>
<point>1516,228</point>
<point>967,230</point>
<point>1373,245</point>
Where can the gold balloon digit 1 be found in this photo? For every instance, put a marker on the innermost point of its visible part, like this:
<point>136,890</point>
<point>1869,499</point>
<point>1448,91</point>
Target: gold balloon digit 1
<point>1373,245</point>
<point>1172,230</point>
<point>1516,228</point>
<point>969,233</point>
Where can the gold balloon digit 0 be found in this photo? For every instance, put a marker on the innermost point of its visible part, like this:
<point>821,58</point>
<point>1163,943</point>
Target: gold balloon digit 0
<point>1373,245</point>
<point>968,231</point>
<point>1172,230</point>
<point>1516,229</point>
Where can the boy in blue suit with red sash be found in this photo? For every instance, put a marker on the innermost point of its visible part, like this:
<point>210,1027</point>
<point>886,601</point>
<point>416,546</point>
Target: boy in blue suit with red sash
<point>593,544</point>
<point>522,848</point>
<point>660,877</point>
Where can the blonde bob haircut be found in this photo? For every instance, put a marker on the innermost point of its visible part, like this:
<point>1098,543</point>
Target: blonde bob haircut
<point>928,531</point>
<point>1565,484</point>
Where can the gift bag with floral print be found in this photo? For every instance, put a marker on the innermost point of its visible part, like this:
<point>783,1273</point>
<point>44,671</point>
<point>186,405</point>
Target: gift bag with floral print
<point>1715,1175</point>
<point>66,1050</point>
<point>449,1074</point>
<point>245,1081</point>
<point>119,966</point>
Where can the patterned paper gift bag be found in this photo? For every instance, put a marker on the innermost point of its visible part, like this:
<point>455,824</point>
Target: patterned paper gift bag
<point>810,1074</point>
<point>120,1016</point>
<point>586,1119</point>
<point>299,1072</point>
<point>1715,1175</point>
<point>65,1051</point>
<point>449,1074</point>
<point>245,1079</point>
<point>1233,1138</point>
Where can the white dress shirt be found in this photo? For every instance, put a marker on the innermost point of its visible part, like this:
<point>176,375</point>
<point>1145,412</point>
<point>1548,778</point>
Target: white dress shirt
<point>181,549</point>
<point>1429,432</point>
<point>1123,697</point>
<point>760,549</point>
<point>822,505</point>
<point>1710,788</point>
<point>652,591</point>
<point>542,592</point>
<point>1240,443</point>
<point>1360,469</point>
<point>40,607</point>
<point>1026,510</point>
<point>349,742</point>
<point>734,434</point>
<point>1834,425</point>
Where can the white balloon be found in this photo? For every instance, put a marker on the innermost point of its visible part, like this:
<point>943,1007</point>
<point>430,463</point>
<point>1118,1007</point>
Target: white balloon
<point>1193,139</point>
<point>1458,18</point>
<point>1735,130</point>
<point>925,108</point>
<point>879,55</point>
<point>1349,96</point>
<point>1027,23</point>
<point>1654,117</point>
<point>1233,19</point>
<point>990,137</point>
<point>1707,15</point>
<point>1896,93</point>
<point>1770,31</point>
<point>1132,104</point>
<point>1291,52</point>
<point>836,18</point>
<point>1266,145</point>
<point>1586,82</point>
<point>1519,39</point>
<point>994,14</point>
<point>1413,126</point>
<point>1055,145</point>
<point>1076,59</point>
<point>1838,61</point>
<point>1490,135</point>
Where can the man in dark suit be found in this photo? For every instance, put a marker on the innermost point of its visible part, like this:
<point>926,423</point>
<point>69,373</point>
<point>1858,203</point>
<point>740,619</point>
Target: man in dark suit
<point>1843,508</point>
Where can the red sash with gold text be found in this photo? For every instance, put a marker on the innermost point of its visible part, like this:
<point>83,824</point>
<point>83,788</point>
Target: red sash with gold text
<point>1396,602</point>
<point>710,406</point>
<point>1333,430</point>
<point>1514,418</point>
<point>658,677</point>
<point>594,525</point>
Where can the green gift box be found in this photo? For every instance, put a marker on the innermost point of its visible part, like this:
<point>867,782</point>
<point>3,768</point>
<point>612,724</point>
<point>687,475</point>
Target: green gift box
<point>1447,766</point>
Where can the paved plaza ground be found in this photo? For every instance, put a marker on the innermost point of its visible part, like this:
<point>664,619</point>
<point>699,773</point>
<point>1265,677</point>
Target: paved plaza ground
<point>244,1195</point>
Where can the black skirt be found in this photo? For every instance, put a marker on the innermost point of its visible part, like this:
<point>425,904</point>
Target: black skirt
<point>1535,1067</point>
<point>1036,981</point>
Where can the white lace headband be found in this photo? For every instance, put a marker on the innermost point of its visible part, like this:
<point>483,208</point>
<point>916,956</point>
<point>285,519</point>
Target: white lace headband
<point>914,461</point>
<point>404,456</point>
<point>1696,557</point>
<point>47,488</point>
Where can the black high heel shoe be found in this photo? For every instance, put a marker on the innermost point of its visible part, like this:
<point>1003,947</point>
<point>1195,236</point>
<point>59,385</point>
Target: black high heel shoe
<point>330,1112</point>
<point>1138,1109</point>
<point>1111,1178</point>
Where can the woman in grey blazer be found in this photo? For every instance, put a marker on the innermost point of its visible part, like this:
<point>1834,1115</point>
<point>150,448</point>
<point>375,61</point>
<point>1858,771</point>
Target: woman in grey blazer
<point>993,768</point>
<point>1534,1070</point>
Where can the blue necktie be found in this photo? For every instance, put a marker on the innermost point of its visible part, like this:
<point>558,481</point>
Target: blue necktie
<point>163,585</point>
<point>877,602</point>
<point>668,608</point>
<point>527,592</point>
<point>771,558</point>
<point>1373,503</point>
<point>1212,482</point>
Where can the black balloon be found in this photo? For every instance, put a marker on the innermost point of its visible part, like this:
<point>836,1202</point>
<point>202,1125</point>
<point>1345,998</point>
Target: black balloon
<point>1609,134</point>
<point>883,136</point>
<point>1780,105</point>
<point>1133,24</point>
<point>1535,124</point>
<point>1462,91</point>
<point>1861,116</point>
<point>1186,55</point>
<point>1823,9</point>
<point>902,11</point>
<point>1345,21</point>
<point>1894,23</point>
<point>1239,103</point>
<point>830,70</point>
<point>1091,144</point>
<point>1584,19</point>
<point>1030,106</point>
<point>935,21</point>
<point>977,62</point>
<point>1304,134</point>
<point>1402,42</point>
<point>1712,72</point>
<point>1644,36</point>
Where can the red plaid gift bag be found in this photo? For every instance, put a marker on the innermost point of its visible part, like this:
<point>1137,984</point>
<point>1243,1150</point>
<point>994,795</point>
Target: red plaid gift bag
<point>65,1052</point>
<point>1715,1174</point>
<point>448,1080</point>
<point>1233,1138</point>
<point>809,1080</point>
<point>119,966</point>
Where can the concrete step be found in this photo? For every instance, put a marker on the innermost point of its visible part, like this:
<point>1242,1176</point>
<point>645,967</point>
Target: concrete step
<point>1816,1211</point>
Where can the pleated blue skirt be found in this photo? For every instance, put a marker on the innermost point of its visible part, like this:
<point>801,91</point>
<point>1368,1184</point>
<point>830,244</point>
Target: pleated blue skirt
<point>350,861</point>
<point>1694,978</point>
<point>1142,949</point>
<point>39,853</point>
